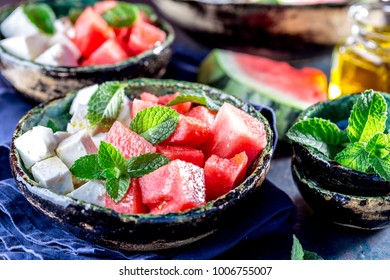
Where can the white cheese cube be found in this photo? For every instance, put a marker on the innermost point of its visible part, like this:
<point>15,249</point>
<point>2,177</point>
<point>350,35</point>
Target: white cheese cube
<point>99,138</point>
<point>60,38</point>
<point>17,24</point>
<point>53,174</point>
<point>58,55</point>
<point>82,97</point>
<point>26,47</point>
<point>124,113</point>
<point>35,145</point>
<point>61,135</point>
<point>91,192</point>
<point>79,121</point>
<point>75,146</point>
<point>64,26</point>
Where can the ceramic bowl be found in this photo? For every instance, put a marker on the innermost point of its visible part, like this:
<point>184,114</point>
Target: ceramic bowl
<point>335,190</point>
<point>260,28</point>
<point>40,83</point>
<point>143,231</point>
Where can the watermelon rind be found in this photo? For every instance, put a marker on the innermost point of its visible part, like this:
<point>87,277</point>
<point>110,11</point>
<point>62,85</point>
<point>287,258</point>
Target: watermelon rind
<point>220,70</point>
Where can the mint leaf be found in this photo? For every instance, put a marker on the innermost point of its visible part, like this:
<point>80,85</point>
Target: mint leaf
<point>42,16</point>
<point>117,188</point>
<point>368,117</point>
<point>311,256</point>
<point>195,96</point>
<point>381,166</point>
<point>155,124</point>
<point>51,124</point>
<point>297,250</point>
<point>88,168</point>
<point>105,103</point>
<point>354,156</point>
<point>319,134</point>
<point>122,15</point>
<point>378,145</point>
<point>110,157</point>
<point>145,164</point>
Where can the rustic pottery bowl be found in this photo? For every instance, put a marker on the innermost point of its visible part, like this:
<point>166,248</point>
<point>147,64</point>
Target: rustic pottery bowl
<point>326,185</point>
<point>143,231</point>
<point>261,28</point>
<point>40,82</point>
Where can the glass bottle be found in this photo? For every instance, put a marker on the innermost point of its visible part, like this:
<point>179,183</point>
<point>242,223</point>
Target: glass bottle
<point>362,61</point>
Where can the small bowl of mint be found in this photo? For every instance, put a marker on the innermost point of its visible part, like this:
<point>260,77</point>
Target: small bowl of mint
<point>341,159</point>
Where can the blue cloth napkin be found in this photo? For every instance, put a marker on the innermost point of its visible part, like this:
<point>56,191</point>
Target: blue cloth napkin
<point>260,230</point>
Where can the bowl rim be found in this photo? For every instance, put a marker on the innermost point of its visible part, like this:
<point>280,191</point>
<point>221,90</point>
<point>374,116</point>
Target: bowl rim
<point>324,160</point>
<point>163,24</point>
<point>258,169</point>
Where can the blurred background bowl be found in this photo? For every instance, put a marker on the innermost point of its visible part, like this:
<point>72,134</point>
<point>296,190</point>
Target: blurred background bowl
<point>38,82</point>
<point>292,30</point>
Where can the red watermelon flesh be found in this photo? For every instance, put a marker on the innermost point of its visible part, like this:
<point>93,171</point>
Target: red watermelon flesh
<point>110,52</point>
<point>176,186</point>
<point>181,108</point>
<point>131,203</point>
<point>139,105</point>
<point>190,132</point>
<point>129,143</point>
<point>186,154</point>
<point>308,84</point>
<point>222,175</point>
<point>146,96</point>
<point>203,114</point>
<point>235,131</point>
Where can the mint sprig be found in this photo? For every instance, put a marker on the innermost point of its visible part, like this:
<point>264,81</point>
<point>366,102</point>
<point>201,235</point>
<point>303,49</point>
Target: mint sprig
<point>155,124</point>
<point>367,147</point>
<point>104,105</point>
<point>195,96</point>
<point>42,16</point>
<point>122,15</point>
<point>298,253</point>
<point>110,165</point>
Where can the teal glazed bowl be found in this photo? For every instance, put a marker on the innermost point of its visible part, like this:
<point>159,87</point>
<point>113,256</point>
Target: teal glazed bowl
<point>342,195</point>
<point>141,232</point>
<point>39,83</point>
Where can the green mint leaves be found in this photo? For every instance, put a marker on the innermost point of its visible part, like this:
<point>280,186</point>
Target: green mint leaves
<point>297,252</point>
<point>42,16</point>
<point>122,15</point>
<point>105,104</point>
<point>110,165</point>
<point>365,149</point>
<point>197,96</point>
<point>155,124</point>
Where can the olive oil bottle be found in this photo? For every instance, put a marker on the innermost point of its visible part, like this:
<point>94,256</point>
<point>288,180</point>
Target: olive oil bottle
<point>362,61</point>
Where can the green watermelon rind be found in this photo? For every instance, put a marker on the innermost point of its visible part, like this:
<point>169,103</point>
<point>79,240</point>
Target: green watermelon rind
<point>213,72</point>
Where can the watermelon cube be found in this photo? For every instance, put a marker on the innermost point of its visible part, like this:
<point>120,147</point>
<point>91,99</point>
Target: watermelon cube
<point>129,143</point>
<point>235,131</point>
<point>174,187</point>
<point>203,114</point>
<point>146,96</point>
<point>186,154</point>
<point>222,175</point>
<point>131,203</point>
<point>190,132</point>
<point>181,108</point>
<point>139,105</point>
<point>91,31</point>
<point>110,52</point>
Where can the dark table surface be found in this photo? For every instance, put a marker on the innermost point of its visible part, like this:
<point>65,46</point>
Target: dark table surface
<point>332,242</point>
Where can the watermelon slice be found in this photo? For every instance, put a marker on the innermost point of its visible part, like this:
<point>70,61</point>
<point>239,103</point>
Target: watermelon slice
<point>146,96</point>
<point>233,132</point>
<point>110,52</point>
<point>203,114</point>
<point>129,143</point>
<point>264,81</point>
<point>222,175</point>
<point>131,203</point>
<point>139,105</point>
<point>174,187</point>
<point>186,154</point>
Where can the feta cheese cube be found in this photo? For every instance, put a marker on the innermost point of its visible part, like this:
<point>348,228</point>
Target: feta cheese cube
<point>58,55</point>
<point>124,113</point>
<point>53,174</point>
<point>28,47</point>
<point>79,121</point>
<point>99,138</point>
<point>91,192</point>
<point>61,135</point>
<point>65,26</point>
<point>82,97</point>
<point>75,146</point>
<point>17,24</point>
<point>35,145</point>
